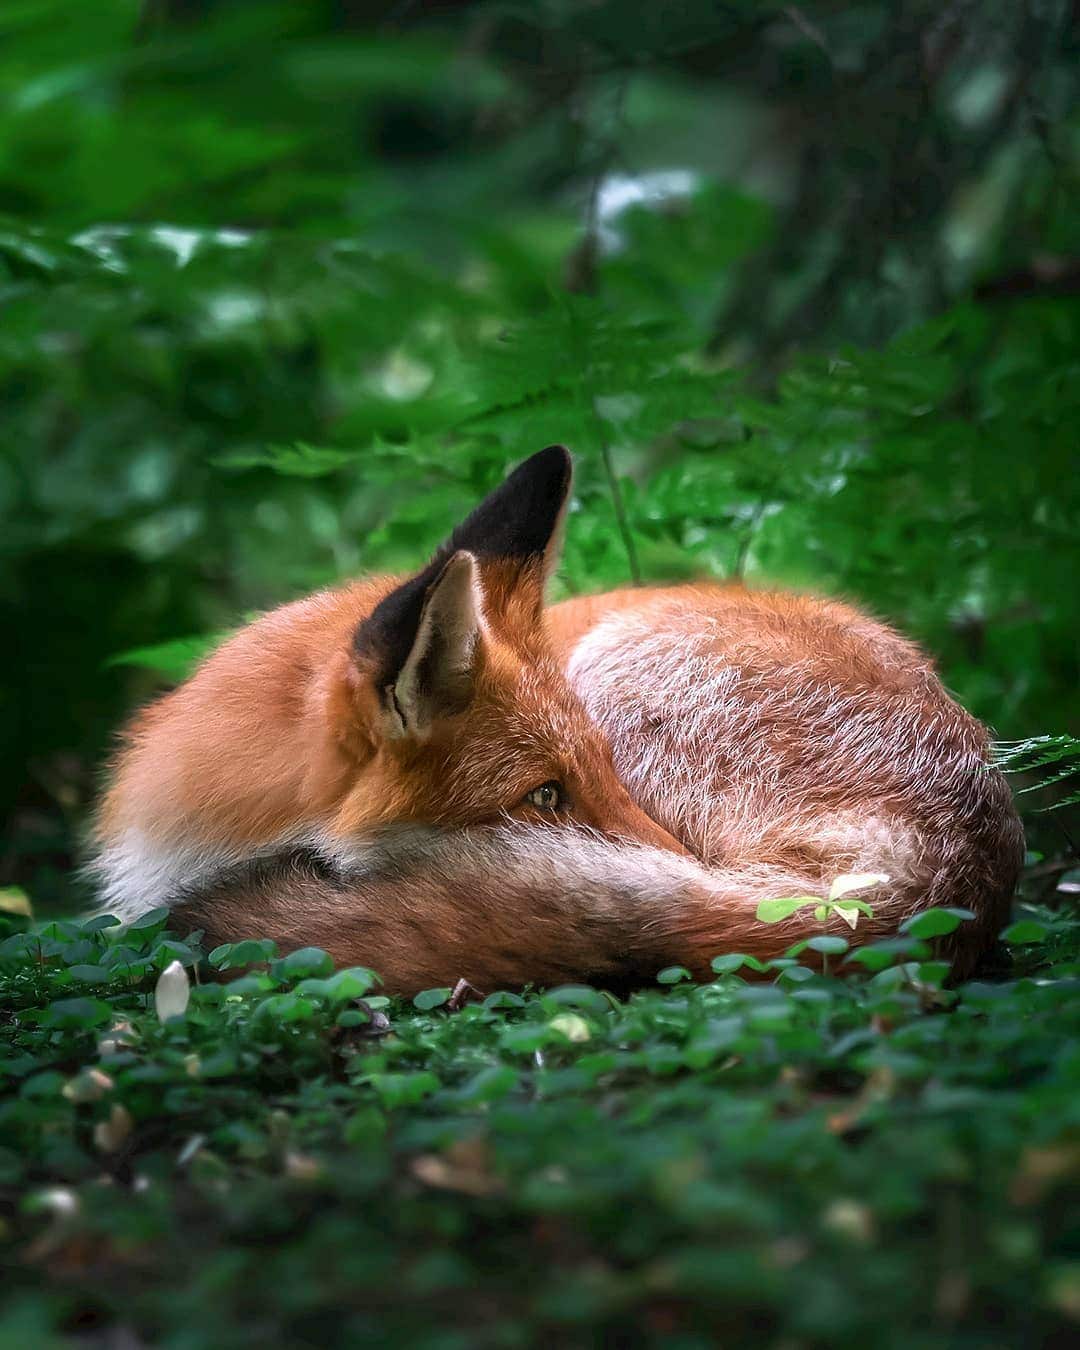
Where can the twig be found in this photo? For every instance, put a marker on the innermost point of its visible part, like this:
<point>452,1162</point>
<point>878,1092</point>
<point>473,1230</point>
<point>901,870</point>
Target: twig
<point>1070,841</point>
<point>580,271</point>
<point>747,539</point>
<point>619,505</point>
<point>808,28</point>
<point>581,277</point>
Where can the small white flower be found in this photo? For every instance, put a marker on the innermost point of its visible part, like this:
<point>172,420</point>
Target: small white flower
<point>172,991</point>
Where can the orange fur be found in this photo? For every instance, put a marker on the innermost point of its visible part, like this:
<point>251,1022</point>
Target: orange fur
<point>717,746</point>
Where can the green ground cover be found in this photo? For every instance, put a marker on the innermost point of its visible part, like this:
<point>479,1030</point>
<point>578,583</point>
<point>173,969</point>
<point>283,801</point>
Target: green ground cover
<point>863,1156</point>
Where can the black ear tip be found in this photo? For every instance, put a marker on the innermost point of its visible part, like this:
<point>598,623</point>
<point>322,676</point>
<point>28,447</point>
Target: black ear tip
<point>554,454</point>
<point>546,473</point>
<point>550,470</point>
<point>518,518</point>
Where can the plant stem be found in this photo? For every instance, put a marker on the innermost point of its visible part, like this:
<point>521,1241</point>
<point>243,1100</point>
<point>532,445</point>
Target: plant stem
<point>620,511</point>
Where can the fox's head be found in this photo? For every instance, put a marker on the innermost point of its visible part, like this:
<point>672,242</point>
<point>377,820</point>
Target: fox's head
<point>433,701</point>
<point>452,698</point>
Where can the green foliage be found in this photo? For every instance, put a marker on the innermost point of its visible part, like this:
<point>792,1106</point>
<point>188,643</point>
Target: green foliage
<point>765,1160</point>
<point>933,923</point>
<point>1059,756</point>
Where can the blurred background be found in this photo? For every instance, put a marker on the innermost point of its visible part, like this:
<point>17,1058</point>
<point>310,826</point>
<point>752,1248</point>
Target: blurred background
<point>285,286</point>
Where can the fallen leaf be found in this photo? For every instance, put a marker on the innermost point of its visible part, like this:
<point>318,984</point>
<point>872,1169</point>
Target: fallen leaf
<point>89,1086</point>
<point>570,1025</point>
<point>1042,1169</point>
<point>850,1219</point>
<point>120,1036</point>
<point>464,1167</point>
<point>111,1134</point>
<point>301,1167</point>
<point>13,900</point>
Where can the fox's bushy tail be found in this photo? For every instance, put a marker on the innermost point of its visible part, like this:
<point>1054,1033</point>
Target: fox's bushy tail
<point>517,904</point>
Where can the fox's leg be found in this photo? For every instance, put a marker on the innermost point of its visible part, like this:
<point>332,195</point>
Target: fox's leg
<point>510,906</point>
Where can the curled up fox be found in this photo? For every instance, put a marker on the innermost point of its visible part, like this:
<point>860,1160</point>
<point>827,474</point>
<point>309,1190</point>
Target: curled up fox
<point>441,777</point>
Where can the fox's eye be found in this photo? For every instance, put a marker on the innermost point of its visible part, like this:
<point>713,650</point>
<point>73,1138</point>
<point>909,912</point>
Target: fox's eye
<point>548,796</point>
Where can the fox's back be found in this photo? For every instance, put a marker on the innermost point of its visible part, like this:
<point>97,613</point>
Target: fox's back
<point>778,727</point>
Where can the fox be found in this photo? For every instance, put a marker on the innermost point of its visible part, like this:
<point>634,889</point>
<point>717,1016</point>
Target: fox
<point>441,777</point>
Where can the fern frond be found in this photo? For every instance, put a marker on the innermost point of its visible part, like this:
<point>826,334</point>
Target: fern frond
<point>1061,753</point>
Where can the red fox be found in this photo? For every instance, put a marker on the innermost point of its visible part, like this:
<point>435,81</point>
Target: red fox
<point>438,777</point>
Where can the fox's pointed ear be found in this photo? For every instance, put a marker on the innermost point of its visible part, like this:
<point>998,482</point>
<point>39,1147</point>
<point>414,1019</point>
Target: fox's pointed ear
<point>422,644</point>
<point>517,529</point>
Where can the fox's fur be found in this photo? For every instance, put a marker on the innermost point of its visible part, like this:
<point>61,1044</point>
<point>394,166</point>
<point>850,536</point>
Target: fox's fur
<point>353,771</point>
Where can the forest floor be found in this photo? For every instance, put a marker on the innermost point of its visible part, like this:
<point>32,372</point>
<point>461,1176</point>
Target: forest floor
<point>863,1156</point>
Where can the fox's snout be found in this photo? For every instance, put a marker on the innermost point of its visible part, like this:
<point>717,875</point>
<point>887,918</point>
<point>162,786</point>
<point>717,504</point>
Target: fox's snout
<point>624,821</point>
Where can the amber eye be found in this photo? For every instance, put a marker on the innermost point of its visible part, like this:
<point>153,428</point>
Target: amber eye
<point>548,796</point>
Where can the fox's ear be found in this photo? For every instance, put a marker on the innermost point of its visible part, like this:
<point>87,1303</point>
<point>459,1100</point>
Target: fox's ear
<point>423,643</point>
<point>516,531</point>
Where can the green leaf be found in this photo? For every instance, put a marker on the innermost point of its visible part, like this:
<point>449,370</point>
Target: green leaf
<point>89,974</point>
<point>305,961</point>
<point>397,1090</point>
<point>1025,931</point>
<point>935,922</point>
<point>354,982</point>
<point>774,911</point>
<point>300,460</point>
<point>489,1085</point>
<point>828,944</point>
<point>525,1039</point>
<point>431,998</point>
<point>255,983</point>
<point>285,1008</point>
<point>503,998</point>
<point>732,961</point>
<point>673,975</point>
<point>99,922</point>
<point>148,924</point>
<point>174,660</point>
<point>884,953</point>
<point>576,996</point>
<point>77,1013</point>
<point>252,951</point>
